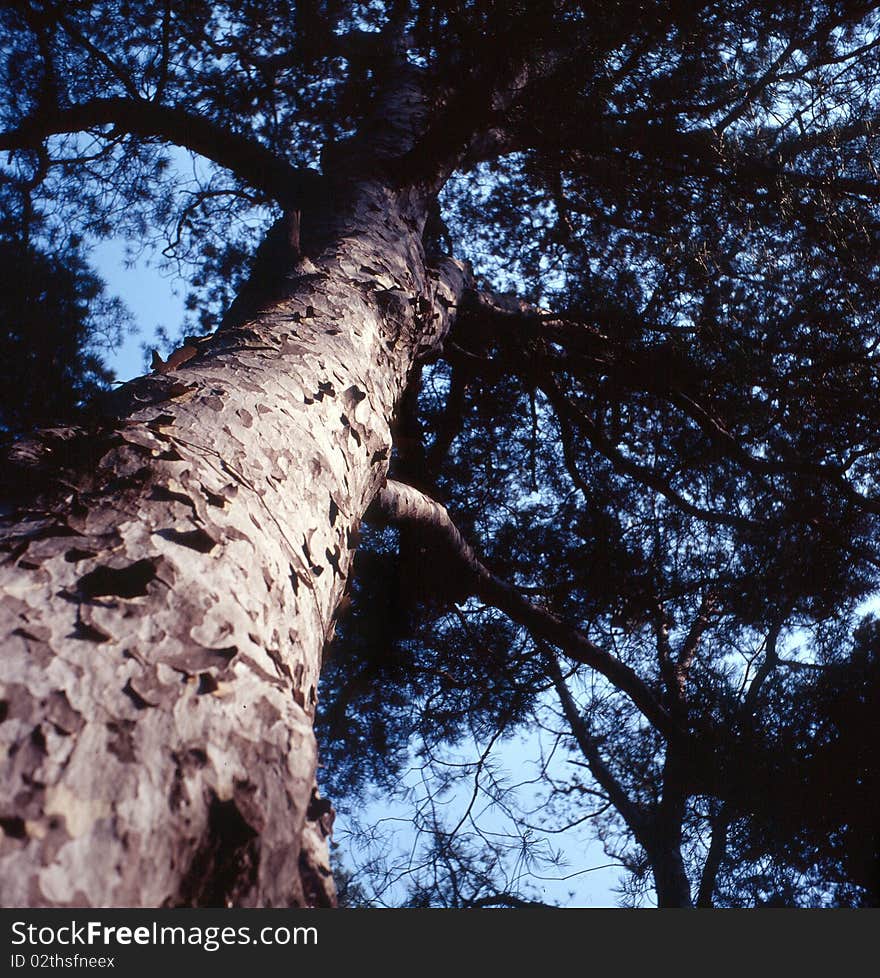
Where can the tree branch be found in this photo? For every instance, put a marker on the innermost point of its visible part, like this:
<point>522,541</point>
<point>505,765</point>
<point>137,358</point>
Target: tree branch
<point>403,504</point>
<point>508,901</point>
<point>701,152</point>
<point>771,660</point>
<point>691,643</point>
<point>567,415</point>
<point>247,158</point>
<point>506,316</point>
<point>78,37</point>
<point>449,424</point>
<point>629,810</point>
<point>717,850</point>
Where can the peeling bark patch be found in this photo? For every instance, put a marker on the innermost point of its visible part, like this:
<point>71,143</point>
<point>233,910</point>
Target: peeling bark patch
<point>32,635</point>
<point>199,539</point>
<point>123,582</point>
<point>38,739</point>
<point>321,810</point>
<point>268,580</point>
<point>351,431</point>
<point>89,633</point>
<point>294,581</point>
<point>353,396</point>
<point>63,717</point>
<point>75,554</point>
<point>314,881</point>
<point>334,511</point>
<point>161,421</point>
<point>214,498</point>
<point>198,659</point>
<point>139,702</point>
<point>165,495</point>
<point>224,869</point>
<point>279,663</point>
<point>120,743</point>
<point>13,827</point>
<point>333,559</point>
<point>207,684</point>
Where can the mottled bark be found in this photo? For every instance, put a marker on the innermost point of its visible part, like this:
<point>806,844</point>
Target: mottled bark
<point>169,579</point>
<point>169,582</point>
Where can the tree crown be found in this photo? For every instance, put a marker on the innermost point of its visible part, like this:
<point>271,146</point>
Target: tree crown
<point>664,446</point>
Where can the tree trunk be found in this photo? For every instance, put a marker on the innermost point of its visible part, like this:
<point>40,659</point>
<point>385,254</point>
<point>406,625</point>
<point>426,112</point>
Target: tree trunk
<point>664,849</point>
<point>170,581</point>
<point>670,879</point>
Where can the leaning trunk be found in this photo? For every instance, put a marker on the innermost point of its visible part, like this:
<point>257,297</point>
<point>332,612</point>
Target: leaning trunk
<point>170,581</point>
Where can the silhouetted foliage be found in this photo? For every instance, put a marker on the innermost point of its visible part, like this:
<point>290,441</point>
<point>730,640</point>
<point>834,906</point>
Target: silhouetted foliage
<point>57,327</point>
<point>671,445</point>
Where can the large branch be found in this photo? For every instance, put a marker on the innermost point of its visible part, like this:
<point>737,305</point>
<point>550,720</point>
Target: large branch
<point>247,158</point>
<point>403,504</point>
<point>513,321</point>
<point>482,90</point>
<point>739,164</point>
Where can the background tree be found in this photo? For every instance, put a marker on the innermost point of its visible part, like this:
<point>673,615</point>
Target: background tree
<point>632,506</point>
<point>57,324</point>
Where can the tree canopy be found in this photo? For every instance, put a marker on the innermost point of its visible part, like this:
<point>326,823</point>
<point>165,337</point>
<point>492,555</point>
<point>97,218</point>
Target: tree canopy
<point>649,446</point>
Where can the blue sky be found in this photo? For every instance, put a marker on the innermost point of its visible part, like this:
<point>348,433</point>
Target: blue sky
<point>155,298</point>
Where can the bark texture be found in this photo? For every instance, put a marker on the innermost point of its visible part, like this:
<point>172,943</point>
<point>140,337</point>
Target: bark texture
<point>169,582</point>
